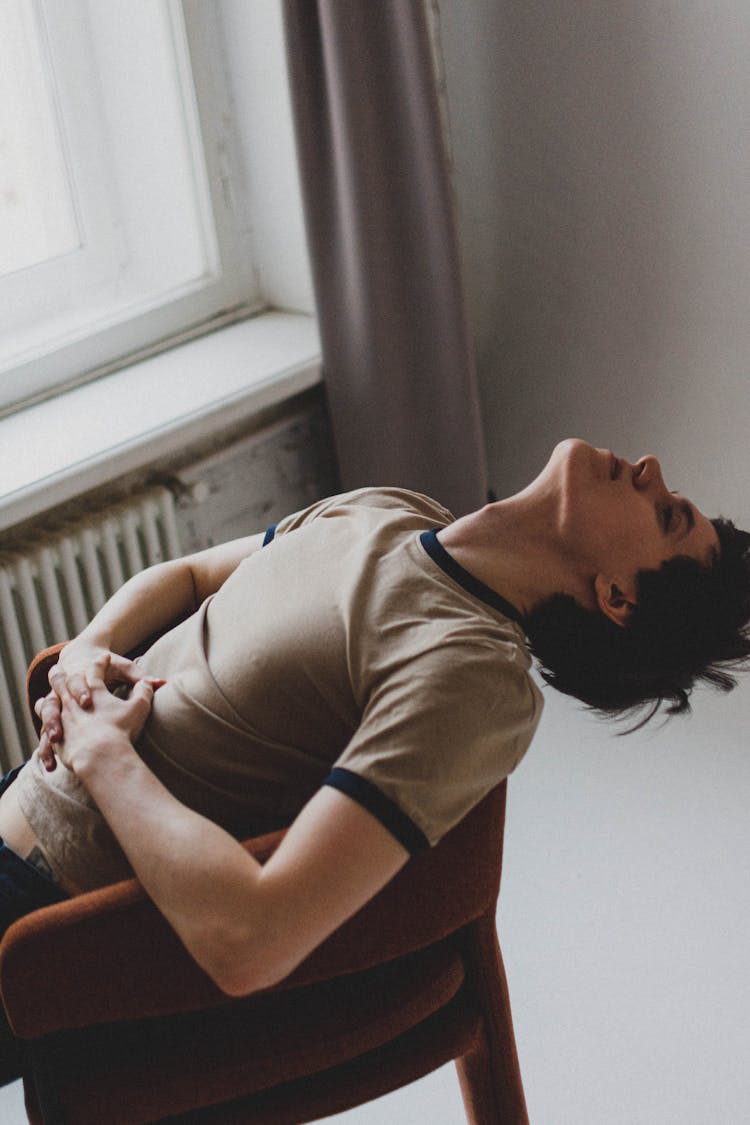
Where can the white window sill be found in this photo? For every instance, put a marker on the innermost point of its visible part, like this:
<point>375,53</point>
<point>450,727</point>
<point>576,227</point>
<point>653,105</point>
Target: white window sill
<point>122,422</point>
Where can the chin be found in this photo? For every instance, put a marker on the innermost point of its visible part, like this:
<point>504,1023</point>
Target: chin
<point>575,465</point>
<point>572,445</point>
<point>570,461</point>
<point>571,450</point>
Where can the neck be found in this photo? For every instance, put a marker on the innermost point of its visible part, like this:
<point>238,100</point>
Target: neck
<point>515,547</point>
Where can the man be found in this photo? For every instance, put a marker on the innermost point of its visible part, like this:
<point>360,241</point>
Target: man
<point>365,676</point>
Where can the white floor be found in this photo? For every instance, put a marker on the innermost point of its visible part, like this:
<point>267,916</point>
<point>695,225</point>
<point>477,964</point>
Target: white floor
<point>625,925</point>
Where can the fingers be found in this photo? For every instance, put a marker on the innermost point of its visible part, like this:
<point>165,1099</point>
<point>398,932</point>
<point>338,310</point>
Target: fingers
<point>47,754</point>
<point>137,699</point>
<point>144,689</point>
<point>96,673</point>
<point>48,710</point>
<point>81,697</point>
<point>123,669</point>
<point>142,695</point>
<point>74,686</point>
<point>127,671</point>
<point>79,685</point>
<point>127,705</point>
<point>141,700</point>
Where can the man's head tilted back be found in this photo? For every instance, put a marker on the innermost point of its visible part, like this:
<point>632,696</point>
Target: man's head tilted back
<point>670,596</point>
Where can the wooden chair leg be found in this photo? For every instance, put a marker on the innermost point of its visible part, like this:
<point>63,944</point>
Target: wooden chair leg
<point>489,1072</point>
<point>477,1090</point>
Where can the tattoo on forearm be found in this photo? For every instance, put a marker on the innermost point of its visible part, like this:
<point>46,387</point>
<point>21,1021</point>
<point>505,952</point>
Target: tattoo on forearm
<point>38,859</point>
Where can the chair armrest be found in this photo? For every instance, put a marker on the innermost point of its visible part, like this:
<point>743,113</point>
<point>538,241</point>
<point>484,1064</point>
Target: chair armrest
<point>99,957</point>
<point>109,955</point>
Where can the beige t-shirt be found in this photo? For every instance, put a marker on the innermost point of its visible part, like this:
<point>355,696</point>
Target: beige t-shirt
<point>351,651</point>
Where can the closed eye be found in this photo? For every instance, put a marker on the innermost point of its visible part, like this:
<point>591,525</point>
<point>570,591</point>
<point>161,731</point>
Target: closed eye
<point>686,510</point>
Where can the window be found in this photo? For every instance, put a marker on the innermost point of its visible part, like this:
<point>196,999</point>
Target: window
<point>117,220</point>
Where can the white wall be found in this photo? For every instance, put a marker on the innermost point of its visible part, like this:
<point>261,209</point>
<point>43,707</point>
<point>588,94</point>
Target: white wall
<point>604,183</point>
<point>603,176</point>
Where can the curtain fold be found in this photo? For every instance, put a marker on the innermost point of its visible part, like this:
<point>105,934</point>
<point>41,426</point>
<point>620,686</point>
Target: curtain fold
<point>397,355</point>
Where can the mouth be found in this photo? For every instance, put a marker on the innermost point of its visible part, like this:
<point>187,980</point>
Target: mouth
<point>615,467</point>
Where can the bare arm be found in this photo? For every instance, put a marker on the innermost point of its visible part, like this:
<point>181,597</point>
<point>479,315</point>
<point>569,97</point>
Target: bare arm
<point>145,605</point>
<point>248,926</point>
<point>152,600</point>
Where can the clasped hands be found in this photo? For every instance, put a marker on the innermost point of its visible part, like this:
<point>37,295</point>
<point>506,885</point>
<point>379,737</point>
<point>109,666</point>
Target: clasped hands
<point>81,713</point>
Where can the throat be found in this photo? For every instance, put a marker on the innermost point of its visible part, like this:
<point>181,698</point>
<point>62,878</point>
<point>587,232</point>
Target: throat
<point>519,563</point>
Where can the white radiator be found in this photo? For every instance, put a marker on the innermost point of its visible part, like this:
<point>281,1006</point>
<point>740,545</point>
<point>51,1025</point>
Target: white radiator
<point>52,588</point>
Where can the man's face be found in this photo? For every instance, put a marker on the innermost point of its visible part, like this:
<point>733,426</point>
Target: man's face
<point>620,517</point>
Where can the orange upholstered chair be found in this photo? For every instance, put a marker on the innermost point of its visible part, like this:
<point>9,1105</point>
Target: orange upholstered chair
<point>123,1027</point>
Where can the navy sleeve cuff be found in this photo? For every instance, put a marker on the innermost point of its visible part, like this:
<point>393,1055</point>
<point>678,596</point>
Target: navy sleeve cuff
<point>270,532</point>
<point>382,808</point>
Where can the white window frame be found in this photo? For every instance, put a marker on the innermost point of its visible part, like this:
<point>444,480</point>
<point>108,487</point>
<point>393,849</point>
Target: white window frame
<point>193,387</point>
<point>229,285</point>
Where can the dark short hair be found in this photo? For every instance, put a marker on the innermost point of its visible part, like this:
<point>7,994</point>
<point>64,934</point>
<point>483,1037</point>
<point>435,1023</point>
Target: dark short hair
<point>690,625</point>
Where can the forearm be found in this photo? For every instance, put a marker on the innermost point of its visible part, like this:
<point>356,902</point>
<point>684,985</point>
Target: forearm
<point>194,871</point>
<point>146,604</point>
<point>248,926</point>
<point>154,599</point>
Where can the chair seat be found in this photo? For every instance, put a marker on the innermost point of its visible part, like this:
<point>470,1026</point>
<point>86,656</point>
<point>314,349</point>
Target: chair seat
<point>172,1064</point>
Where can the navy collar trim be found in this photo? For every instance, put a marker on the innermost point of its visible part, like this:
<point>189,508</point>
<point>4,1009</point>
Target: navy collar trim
<point>454,570</point>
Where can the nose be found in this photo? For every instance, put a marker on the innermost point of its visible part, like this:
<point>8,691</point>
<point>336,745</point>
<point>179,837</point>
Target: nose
<point>647,473</point>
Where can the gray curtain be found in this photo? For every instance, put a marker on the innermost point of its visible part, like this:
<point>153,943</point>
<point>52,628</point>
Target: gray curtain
<point>397,356</point>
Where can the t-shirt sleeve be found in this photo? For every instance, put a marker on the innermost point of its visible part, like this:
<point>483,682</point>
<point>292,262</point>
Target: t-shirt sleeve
<point>298,519</point>
<point>436,736</point>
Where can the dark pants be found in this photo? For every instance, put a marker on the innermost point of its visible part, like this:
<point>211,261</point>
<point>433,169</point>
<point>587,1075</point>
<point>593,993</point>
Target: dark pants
<point>22,889</point>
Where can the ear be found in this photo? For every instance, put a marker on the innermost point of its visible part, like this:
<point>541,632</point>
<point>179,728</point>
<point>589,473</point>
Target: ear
<point>615,598</point>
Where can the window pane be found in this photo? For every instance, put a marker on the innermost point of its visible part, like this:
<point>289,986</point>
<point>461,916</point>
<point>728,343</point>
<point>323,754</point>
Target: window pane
<point>37,218</point>
<point>128,229</point>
